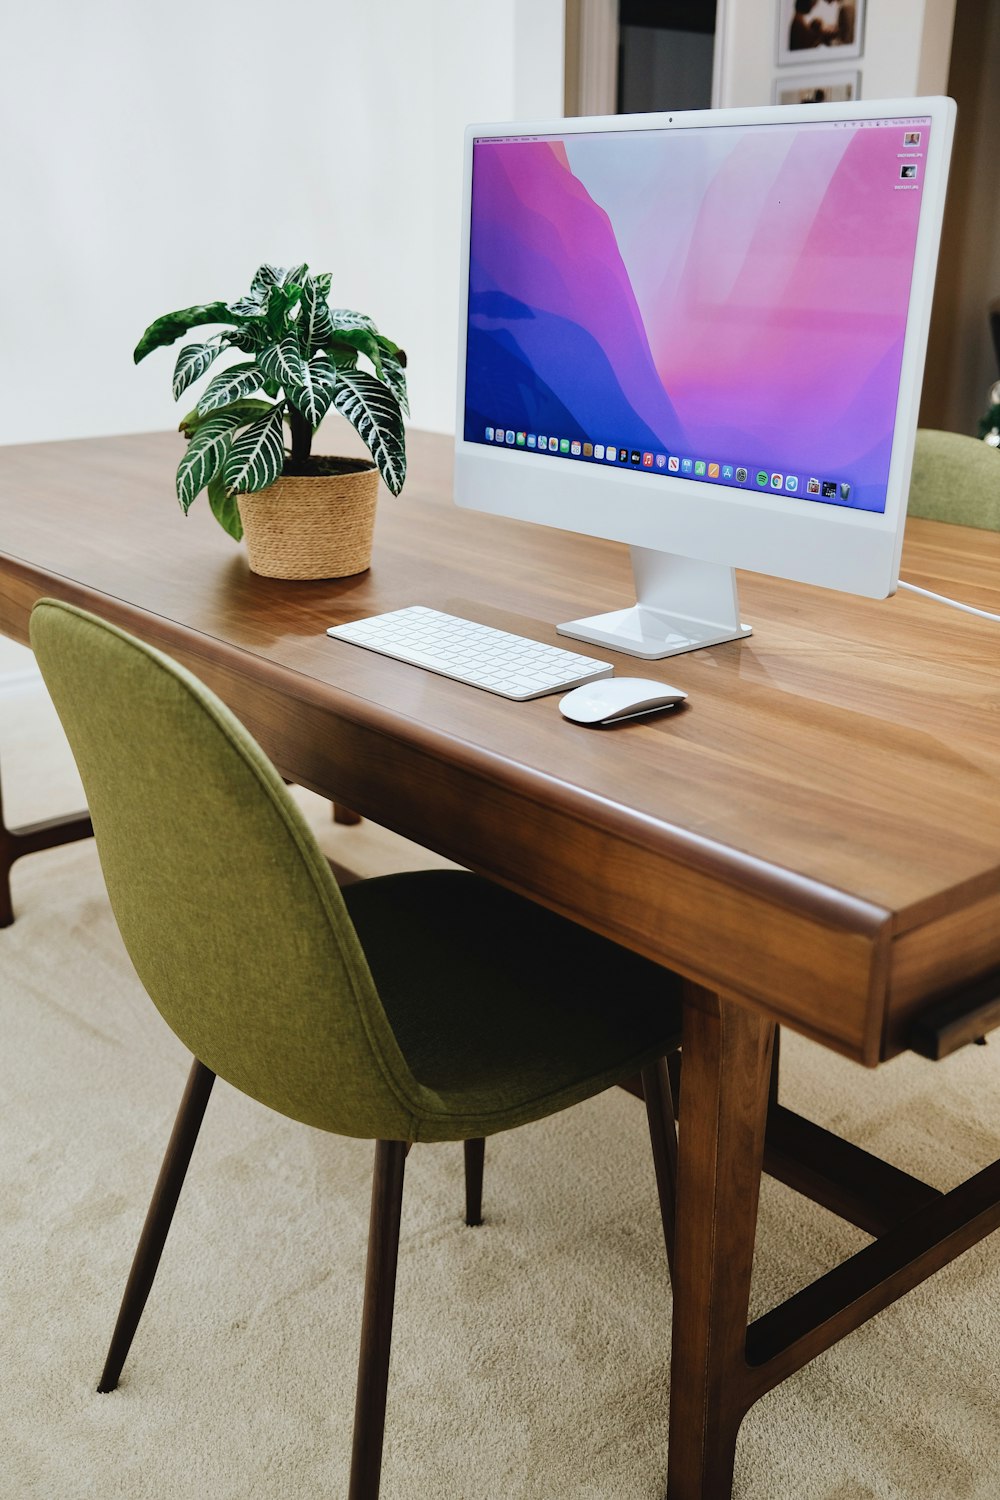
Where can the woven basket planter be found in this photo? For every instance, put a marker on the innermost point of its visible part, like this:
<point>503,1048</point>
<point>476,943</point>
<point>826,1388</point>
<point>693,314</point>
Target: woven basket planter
<point>316,525</point>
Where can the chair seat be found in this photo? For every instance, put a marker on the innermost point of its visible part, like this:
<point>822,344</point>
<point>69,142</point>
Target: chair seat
<point>955,478</point>
<point>559,1015</point>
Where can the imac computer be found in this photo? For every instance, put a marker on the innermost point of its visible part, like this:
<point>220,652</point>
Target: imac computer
<point>703,335</point>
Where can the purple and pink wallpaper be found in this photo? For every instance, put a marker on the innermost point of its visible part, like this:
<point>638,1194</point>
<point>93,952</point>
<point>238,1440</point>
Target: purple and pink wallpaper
<point>732,297</point>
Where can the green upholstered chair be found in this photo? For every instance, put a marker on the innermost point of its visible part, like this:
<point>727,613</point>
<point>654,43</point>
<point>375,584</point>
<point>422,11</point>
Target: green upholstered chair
<point>955,478</point>
<point>430,1006</point>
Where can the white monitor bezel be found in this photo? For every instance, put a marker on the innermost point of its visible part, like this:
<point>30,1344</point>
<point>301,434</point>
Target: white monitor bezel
<point>776,534</point>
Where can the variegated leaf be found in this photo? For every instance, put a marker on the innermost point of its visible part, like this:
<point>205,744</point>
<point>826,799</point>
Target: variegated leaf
<point>192,362</point>
<point>246,307</point>
<point>204,458</point>
<point>252,334</point>
<point>314,326</point>
<point>256,458</point>
<point>371,408</point>
<point>344,318</point>
<point>313,394</point>
<point>283,363</point>
<point>230,385</point>
<point>395,378</point>
<point>265,277</point>
<point>242,412</point>
<point>225,508</point>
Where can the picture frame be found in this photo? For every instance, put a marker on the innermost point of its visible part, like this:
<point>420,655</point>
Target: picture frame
<point>818,86</point>
<point>819,31</point>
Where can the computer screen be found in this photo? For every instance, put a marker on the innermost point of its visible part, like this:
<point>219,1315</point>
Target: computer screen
<point>702,334</point>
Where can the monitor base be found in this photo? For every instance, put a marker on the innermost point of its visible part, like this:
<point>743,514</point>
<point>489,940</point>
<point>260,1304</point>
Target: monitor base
<point>682,604</point>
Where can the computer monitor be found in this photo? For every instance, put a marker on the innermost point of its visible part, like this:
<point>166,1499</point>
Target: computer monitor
<point>702,334</point>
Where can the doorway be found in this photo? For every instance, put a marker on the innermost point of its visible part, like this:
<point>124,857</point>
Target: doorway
<point>665,55</point>
<point>639,56</point>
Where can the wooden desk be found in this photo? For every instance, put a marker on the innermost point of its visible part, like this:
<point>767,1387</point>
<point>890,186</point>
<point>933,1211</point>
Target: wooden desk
<point>814,840</point>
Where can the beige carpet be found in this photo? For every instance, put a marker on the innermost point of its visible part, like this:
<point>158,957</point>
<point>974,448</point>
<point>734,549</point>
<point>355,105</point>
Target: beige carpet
<point>530,1355</point>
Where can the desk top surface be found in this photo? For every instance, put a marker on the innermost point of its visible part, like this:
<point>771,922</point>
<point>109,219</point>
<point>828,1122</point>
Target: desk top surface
<point>817,832</point>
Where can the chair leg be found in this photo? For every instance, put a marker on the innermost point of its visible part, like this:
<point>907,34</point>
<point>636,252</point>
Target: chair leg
<point>31,839</point>
<point>158,1219</point>
<point>376,1320</point>
<point>475,1151</point>
<point>663,1139</point>
<point>6,860</point>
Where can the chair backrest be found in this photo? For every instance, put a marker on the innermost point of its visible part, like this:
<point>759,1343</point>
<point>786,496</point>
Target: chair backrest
<point>955,478</point>
<point>227,907</point>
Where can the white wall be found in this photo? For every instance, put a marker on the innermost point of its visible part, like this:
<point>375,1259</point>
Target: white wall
<point>154,155</point>
<point>905,51</point>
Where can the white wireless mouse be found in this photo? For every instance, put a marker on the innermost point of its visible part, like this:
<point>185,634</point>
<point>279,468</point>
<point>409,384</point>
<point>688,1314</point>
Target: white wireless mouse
<point>613,698</point>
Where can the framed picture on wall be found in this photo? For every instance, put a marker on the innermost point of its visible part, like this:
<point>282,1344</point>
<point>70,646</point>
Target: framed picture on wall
<point>820,86</point>
<point>813,31</point>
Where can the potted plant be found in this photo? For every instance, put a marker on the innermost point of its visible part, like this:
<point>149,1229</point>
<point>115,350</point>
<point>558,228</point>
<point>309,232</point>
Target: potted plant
<point>293,357</point>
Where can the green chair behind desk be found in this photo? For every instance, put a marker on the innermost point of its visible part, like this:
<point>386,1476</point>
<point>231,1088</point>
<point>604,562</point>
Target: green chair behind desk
<point>430,1006</point>
<point>955,478</point>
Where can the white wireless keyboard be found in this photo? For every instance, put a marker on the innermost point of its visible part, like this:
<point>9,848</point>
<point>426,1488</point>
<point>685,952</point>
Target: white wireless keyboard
<point>479,655</point>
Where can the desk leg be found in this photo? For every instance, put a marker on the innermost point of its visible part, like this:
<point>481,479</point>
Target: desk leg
<point>725,1083</point>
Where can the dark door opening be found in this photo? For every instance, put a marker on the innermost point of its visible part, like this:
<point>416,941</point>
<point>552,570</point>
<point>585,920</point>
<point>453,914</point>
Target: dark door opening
<point>665,55</point>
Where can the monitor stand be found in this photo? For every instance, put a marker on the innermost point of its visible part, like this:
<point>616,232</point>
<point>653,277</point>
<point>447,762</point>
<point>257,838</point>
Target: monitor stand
<point>681,605</point>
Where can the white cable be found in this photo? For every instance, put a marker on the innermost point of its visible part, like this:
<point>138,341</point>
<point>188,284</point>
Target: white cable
<point>970,609</point>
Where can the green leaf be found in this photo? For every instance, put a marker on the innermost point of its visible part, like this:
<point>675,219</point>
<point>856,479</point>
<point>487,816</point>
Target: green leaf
<point>192,362</point>
<point>283,363</point>
<point>280,301</point>
<point>374,411</point>
<point>314,325</point>
<point>324,281</point>
<point>343,356</point>
<point>313,394</point>
<point>230,385</point>
<point>243,411</point>
<point>296,276</point>
<point>358,338</point>
<point>205,456</point>
<point>393,350</point>
<point>225,508</point>
<point>170,327</point>
<point>257,456</point>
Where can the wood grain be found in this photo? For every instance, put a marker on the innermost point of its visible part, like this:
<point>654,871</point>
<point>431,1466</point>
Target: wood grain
<point>818,832</point>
